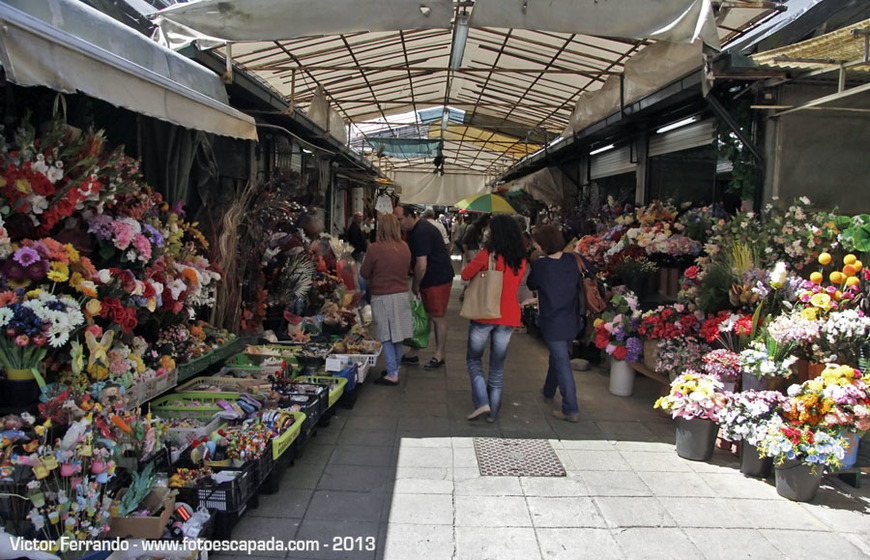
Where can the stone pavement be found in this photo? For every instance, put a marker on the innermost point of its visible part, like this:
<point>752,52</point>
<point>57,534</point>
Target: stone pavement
<point>396,478</point>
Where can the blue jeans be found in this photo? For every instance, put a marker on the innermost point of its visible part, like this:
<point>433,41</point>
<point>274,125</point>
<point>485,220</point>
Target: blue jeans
<point>487,392</point>
<point>392,357</point>
<point>559,374</point>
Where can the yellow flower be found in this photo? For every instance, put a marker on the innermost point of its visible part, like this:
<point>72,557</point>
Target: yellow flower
<point>33,294</point>
<point>59,272</point>
<point>93,307</point>
<point>809,313</point>
<point>821,300</point>
<point>72,252</point>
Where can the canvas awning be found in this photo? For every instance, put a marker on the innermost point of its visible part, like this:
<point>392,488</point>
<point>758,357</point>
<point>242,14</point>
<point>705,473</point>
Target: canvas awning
<point>68,46</point>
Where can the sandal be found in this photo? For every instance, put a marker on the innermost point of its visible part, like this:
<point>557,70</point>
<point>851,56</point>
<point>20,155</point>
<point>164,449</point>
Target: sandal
<point>386,381</point>
<point>433,364</point>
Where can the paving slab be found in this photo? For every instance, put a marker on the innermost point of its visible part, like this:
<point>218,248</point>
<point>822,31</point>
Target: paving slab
<point>655,544</point>
<point>492,511</point>
<point>404,541</point>
<point>496,543</point>
<point>627,512</point>
<point>578,544</point>
<point>421,509</point>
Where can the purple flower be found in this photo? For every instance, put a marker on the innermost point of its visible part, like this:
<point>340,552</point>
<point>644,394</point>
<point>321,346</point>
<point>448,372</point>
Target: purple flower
<point>25,256</point>
<point>153,234</point>
<point>101,226</point>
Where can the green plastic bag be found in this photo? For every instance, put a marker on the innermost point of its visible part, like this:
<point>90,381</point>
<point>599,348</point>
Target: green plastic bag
<point>420,338</point>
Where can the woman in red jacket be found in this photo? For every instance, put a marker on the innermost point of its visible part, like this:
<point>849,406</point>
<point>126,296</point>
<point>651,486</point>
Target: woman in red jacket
<point>505,243</point>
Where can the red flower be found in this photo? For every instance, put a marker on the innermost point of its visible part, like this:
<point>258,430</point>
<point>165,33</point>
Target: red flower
<point>620,352</point>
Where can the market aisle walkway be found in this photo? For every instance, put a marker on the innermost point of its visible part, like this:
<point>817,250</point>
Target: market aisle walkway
<point>400,467</point>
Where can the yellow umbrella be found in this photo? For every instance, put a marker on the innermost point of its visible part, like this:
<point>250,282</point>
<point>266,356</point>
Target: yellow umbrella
<point>488,203</point>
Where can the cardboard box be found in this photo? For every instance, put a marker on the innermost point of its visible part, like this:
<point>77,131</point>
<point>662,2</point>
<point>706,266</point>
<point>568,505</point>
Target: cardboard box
<point>160,502</point>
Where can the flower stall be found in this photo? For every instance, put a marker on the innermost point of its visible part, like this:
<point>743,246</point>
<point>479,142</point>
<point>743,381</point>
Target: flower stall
<point>104,295</point>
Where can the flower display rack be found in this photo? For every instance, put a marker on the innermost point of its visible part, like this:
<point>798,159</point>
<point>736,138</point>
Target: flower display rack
<point>194,367</point>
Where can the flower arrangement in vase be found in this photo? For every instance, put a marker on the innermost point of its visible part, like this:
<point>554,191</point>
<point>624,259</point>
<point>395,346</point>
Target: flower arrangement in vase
<point>668,321</point>
<point>680,354</point>
<point>616,329</point>
<point>694,395</point>
<point>795,441</point>
<point>722,363</point>
<point>747,415</point>
<point>766,361</point>
<point>838,399</point>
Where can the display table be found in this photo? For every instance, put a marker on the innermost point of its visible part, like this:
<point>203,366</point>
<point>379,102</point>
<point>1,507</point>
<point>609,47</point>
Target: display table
<point>654,375</point>
<point>188,370</point>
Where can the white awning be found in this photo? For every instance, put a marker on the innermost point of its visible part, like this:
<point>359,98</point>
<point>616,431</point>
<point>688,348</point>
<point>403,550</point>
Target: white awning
<point>67,46</point>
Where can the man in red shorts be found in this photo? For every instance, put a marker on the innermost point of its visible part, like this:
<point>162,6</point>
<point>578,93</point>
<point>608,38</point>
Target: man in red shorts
<point>433,275</point>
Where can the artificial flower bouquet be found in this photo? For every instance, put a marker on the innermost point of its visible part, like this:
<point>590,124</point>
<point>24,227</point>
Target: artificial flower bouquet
<point>729,330</point>
<point>680,354</point>
<point>33,323</point>
<point>694,395</point>
<point>839,399</point>
<point>668,321</point>
<point>766,358</point>
<point>69,495</point>
<point>844,336</point>
<point>616,329</point>
<point>748,415</point>
<point>794,441</point>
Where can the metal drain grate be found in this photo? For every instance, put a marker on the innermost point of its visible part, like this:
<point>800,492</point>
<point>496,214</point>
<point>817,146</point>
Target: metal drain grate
<point>517,457</point>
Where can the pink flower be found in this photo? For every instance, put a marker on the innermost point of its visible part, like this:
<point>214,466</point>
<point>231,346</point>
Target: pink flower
<point>143,246</point>
<point>123,235</point>
<point>25,256</point>
<point>22,340</point>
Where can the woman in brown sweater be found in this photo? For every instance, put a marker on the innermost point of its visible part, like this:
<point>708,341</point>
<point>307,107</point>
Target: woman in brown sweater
<point>385,269</point>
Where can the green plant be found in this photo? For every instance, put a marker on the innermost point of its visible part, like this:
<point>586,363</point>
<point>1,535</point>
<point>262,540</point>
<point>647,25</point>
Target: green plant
<point>745,171</point>
<point>138,491</point>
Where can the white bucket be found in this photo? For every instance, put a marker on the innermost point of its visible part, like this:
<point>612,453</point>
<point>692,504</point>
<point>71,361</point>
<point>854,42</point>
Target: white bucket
<point>621,378</point>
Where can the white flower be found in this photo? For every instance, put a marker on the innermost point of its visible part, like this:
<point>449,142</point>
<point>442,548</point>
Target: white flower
<point>104,276</point>
<point>38,203</point>
<point>6,315</point>
<point>778,276</point>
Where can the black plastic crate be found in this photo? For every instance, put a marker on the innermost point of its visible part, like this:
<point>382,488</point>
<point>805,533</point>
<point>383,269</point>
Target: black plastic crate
<point>263,466</point>
<point>227,496</point>
<point>225,521</point>
<point>313,404</point>
<point>348,398</point>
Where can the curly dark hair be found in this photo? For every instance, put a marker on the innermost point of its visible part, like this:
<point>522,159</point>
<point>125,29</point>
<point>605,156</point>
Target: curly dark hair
<point>506,240</point>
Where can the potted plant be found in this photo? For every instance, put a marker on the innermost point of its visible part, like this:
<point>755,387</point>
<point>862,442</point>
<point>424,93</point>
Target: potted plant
<point>765,363</point>
<point>746,418</point>
<point>695,401</point>
<point>663,323</point>
<point>838,400</point>
<point>616,334</point>
<point>800,454</point>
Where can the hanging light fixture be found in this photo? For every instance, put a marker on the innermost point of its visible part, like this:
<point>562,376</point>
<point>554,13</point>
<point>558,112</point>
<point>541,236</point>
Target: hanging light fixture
<point>460,36</point>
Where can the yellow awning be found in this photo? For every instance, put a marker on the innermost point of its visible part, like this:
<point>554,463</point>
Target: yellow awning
<point>485,139</point>
<point>831,49</point>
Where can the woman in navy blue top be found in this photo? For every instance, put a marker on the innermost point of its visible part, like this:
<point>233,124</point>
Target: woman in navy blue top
<point>556,278</point>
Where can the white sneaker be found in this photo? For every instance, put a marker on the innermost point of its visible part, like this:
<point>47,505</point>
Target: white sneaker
<point>580,364</point>
<point>478,412</point>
